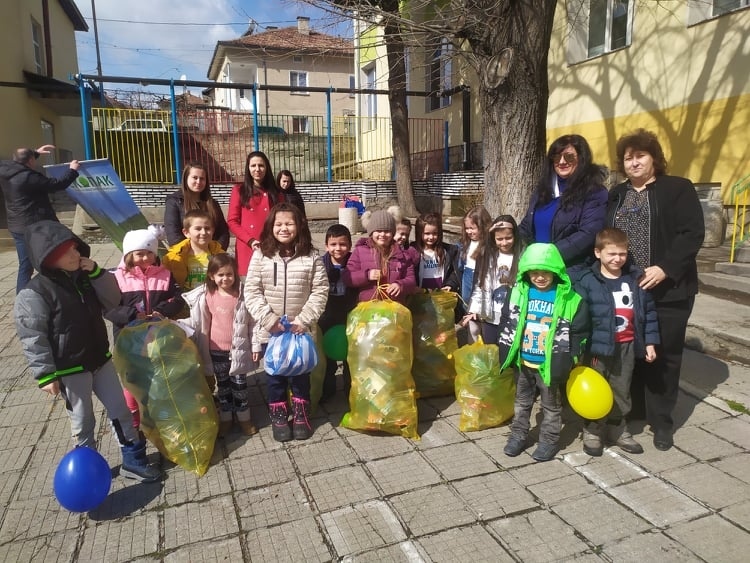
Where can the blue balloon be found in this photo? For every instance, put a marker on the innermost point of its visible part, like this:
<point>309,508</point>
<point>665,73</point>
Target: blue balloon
<point>82,480</point>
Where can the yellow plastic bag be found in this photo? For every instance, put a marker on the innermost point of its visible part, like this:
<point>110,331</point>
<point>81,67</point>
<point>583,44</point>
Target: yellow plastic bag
<point>485,394</point>
<point>382,396</point>
<point>161,367</point>
<point>434,341</point>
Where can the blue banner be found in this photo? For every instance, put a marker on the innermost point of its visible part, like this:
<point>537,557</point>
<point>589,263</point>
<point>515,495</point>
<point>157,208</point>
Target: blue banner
<point>101,193</point>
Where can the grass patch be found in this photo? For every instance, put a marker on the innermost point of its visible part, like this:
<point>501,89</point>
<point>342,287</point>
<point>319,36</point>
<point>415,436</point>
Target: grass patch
<point>737,407</point>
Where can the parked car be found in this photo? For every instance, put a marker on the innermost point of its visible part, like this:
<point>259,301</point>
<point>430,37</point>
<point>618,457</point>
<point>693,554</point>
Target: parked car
<point>142,125</point>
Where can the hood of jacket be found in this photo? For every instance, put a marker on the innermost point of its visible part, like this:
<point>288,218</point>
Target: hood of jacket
<point>543,256</point>
<point>43,237</point>
<point>10,169</point>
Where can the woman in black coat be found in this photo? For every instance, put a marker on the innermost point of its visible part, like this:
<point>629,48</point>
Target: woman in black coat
<point>664,222</point>
<point>195,193</point>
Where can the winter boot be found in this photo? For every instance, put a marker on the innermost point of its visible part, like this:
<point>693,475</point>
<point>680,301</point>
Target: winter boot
<point>280,421</point>
<point>246,425</point>
<point>619,435</point>
<point>301,424</point>
<point>592,441</point>
<point>135,463</point>
<point>225,423</point>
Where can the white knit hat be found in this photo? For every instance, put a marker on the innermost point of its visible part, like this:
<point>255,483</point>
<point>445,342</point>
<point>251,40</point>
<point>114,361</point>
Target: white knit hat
<point>142,239</point>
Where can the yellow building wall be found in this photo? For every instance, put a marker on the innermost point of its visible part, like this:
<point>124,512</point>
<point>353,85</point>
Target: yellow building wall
<point>690,85</point>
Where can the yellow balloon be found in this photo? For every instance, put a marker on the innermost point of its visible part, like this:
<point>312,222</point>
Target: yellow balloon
<point>589,394</point>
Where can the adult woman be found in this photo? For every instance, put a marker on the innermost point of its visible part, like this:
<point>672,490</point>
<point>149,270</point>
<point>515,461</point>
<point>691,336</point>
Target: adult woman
<point>664,222</point>
<point>194,194</point>
<point>569,205</point>
<point>249,205</point>
<point>285,182</point>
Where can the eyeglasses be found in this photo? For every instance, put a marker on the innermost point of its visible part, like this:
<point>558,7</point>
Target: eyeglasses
<point>568,157</point>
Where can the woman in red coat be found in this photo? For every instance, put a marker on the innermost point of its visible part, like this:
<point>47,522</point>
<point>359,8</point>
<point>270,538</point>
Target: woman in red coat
<point>249,205</point>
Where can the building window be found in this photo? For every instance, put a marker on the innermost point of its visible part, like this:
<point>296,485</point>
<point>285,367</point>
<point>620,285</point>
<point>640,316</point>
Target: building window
<point>598,27</point>
<point>37,39</point>
<point>352,85</point>
<point>721,7</point>
<point>439,76</point>
<point>298,80</point>
<point>703,10</point>
<point>300,125</point>
<point>371,100</point>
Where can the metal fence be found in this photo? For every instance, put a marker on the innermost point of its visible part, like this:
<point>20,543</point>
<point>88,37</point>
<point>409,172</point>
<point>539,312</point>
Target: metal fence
<point>740,203</point>
<point>144,148</point>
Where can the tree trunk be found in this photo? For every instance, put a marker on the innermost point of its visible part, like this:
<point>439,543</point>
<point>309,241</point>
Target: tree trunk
<point>514,114</point>
<point>399,113</point>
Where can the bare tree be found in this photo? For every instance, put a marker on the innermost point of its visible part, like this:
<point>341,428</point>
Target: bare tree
<point>506,43</point>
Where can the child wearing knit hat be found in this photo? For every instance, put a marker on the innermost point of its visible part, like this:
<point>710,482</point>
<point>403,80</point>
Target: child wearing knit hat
<point>378,265</point>
<point>147,288</point>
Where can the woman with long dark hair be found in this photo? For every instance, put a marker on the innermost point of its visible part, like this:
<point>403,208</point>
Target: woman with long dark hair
<point>569,205</point>
<point>249,205</point>
<point>195,193</point>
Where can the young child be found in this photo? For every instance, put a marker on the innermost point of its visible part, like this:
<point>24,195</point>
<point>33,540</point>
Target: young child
<point>496,275</point>
<point>223,331</point>
<point>188,259</point>
<point>286,277</point>
<point>378,262</point>
<point>436,262</point>
<point>341,300</point>
<point>624,328</point>
<point>60,325</point>
<point>147,289</point>
<point>403,232</point>
<point>543,330</point>
<point>474,230</point>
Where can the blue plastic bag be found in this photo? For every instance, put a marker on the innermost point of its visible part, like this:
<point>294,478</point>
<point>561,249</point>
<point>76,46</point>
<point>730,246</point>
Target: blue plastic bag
<point>288,354</point>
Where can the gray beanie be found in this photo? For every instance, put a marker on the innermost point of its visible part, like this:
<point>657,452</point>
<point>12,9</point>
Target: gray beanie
<point>381,220</point>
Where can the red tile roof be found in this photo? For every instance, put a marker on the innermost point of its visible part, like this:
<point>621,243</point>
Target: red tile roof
<point>290,39</point>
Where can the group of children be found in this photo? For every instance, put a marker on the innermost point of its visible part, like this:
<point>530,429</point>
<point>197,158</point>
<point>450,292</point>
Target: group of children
<point>524,302</point>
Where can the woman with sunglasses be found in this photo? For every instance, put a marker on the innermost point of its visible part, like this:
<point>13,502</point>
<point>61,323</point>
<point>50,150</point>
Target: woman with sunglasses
<point>569,205</point>
<point>663,219</point>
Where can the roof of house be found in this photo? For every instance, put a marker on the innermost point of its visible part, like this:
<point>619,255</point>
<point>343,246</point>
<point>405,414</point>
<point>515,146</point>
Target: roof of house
<point>285,39</point>
<point>74,15</point>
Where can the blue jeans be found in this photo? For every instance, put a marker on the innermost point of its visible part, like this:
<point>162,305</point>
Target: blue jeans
<point>529,381</point>
<point>25,268</point>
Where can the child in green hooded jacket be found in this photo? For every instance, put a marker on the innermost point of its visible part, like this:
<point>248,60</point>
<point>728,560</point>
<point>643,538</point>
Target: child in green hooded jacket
<point>543,330</point>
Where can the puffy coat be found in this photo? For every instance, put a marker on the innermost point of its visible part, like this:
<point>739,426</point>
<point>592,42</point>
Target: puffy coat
<point>174,215</point>
<point>569,328</point>
<point>59,314</point>
<point>241,353</point>
<point>601,304</point>
<point>365,258</point>
<point>26,193</point>
<point>677,232</point>
<point>275,286</point>
<point>338,306</point>
<point>176,259</point>
<point>451,277</point>
<point>152,291</point>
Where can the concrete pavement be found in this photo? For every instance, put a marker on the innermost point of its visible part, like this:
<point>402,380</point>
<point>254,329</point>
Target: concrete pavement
<point>350,496</point>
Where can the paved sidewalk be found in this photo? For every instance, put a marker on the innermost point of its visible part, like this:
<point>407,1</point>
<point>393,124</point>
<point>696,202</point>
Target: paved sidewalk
<point>344,495</point>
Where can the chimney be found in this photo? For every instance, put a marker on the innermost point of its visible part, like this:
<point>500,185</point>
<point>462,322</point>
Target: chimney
<point>303,25</point>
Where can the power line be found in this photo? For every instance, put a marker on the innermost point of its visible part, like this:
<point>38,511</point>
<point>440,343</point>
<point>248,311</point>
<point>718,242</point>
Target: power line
<point>261,24</point>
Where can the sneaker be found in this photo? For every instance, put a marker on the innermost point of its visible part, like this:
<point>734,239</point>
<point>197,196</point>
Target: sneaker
<point>620,436</point>
<point>514,446</point>
<point>142,473</point>
<point>592,443</point>
<point>663,439</point>
<point>545,452</point>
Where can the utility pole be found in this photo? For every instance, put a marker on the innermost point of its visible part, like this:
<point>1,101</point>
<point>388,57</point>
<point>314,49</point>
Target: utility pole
<point>98,55</point>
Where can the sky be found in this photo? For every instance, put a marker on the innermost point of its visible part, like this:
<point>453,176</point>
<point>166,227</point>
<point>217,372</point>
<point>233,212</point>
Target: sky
<point>168,39</point>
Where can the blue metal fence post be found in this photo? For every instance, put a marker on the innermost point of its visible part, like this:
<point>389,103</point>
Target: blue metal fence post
<point>446,149</point>
<point>256,140</point>
<point>329,139</point>
<point>175,138</point>
<point>84,119</point>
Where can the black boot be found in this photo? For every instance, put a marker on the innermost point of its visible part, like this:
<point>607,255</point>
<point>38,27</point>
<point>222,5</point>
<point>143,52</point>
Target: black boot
<point>280,421</point>
<point>301,426</point>
<point>135,464</point>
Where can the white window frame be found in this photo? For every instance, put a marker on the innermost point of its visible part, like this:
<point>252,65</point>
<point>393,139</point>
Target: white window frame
<point>440,67</point>
<point>298,78</point>
<point>704,10</point>
<point>370,81</point>
<point>37,42</point>
<point>579,28</point>
<point>300,124</point>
